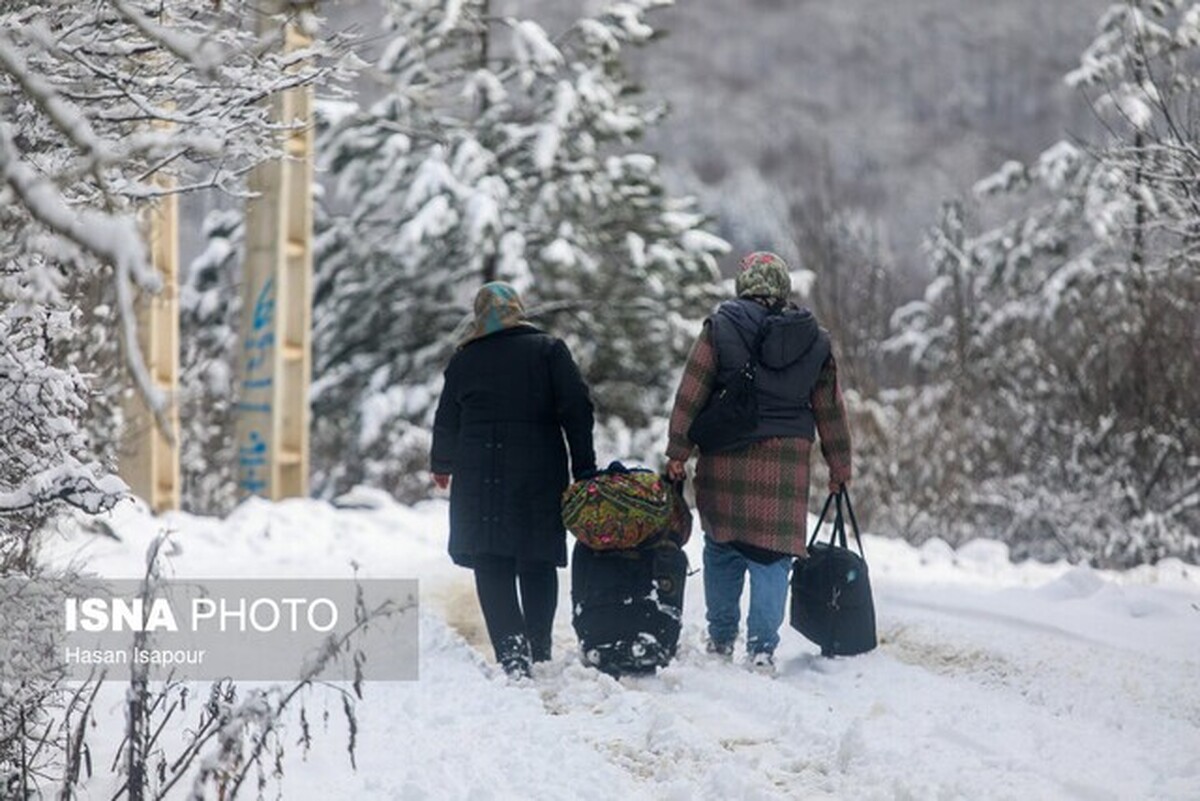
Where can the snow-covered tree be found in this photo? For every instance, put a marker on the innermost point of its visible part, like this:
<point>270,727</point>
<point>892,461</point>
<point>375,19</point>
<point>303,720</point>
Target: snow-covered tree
<point>47,458</point>
<point>101,103</point>
<point>105,107</point>
<point>1061,345</point>
<point>210,308</point>
<point>46,464</point>
<point>852,282</point>
<point>497,152</point>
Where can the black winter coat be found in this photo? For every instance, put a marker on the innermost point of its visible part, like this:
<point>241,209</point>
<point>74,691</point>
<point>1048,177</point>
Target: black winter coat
<point>507,400</point>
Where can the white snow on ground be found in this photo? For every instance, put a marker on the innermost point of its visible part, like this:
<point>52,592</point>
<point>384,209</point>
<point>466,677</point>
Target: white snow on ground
<point>993,680</point>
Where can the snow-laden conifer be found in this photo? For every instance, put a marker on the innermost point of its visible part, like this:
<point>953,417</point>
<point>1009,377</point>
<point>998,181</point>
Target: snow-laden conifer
<point>497,152</point>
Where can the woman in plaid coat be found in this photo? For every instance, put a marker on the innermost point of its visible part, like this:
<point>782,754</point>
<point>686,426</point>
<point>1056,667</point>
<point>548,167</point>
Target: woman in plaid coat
<point>753,501</point>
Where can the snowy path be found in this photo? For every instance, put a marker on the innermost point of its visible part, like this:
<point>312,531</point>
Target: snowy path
<point>992,681</point>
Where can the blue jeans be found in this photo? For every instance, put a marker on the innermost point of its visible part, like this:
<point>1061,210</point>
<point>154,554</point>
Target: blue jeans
<point>724,574</point>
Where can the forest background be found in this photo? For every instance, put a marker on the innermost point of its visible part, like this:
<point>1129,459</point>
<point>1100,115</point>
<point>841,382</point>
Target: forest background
<point>990,206</point>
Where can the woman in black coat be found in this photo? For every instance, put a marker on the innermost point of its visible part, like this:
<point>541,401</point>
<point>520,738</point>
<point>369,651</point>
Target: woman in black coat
<point>511,392</point>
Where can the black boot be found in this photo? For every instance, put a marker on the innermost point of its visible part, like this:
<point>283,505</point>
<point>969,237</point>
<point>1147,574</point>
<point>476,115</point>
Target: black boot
<point>496,583</point>
<point>512,653</point>
<point>539,649</point>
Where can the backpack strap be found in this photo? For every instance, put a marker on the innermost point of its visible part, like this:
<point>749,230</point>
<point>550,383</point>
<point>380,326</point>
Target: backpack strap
<point>752,350</point>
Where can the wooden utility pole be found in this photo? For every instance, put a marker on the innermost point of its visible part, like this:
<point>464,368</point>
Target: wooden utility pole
<point>149,461</point>
<point>276,307</point>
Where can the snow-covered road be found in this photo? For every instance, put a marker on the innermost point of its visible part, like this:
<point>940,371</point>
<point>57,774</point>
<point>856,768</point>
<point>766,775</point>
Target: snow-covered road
<point>992,681</point>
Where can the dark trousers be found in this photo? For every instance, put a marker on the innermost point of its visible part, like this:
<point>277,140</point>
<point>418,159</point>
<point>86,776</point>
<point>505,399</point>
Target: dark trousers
<point>516,624</point>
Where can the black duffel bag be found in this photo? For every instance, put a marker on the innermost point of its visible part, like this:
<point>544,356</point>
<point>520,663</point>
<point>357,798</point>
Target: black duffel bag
<point>831,589</point>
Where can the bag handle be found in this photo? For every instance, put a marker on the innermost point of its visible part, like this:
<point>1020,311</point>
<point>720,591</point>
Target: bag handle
<point>618,468</point>
<point>838,535</point>
<point>839,524</point>
<point>853,522</point>
<point>824,511</point>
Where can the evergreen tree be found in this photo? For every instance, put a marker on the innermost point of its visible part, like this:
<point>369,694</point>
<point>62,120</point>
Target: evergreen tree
<point>210,306</point>
<point>496,154</point>
<point>1061,344</point>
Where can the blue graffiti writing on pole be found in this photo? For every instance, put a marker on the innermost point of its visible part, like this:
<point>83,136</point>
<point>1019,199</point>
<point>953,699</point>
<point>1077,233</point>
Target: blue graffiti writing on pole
<point>256,385</point>
<point>264,306</point>
<point>252,460</point>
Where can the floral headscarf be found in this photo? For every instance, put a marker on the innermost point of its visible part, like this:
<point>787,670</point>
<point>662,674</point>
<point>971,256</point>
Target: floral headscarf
<point>763,275</point>
<point>497,306</point>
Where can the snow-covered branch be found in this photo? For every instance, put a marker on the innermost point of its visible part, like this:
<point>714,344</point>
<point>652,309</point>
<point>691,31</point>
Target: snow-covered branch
<point>106,107</point>
<point>71,483</point>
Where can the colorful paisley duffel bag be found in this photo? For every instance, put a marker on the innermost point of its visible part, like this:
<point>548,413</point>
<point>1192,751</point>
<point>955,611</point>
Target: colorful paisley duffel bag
<point>617,507</point>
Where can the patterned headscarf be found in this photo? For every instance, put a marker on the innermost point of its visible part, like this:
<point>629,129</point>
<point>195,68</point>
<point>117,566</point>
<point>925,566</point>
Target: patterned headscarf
<point>497,306</point>
<point>763,275</point>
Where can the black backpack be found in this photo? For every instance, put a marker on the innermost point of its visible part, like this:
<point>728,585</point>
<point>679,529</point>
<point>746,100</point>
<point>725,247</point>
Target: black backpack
<point>831,589</point>
<point>730,415</point>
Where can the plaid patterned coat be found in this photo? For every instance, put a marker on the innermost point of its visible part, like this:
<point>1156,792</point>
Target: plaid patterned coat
<point>758,495</point>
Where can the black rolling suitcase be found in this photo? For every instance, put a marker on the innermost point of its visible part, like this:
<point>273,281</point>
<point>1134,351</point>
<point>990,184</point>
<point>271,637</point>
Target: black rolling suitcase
<point>627,605</point>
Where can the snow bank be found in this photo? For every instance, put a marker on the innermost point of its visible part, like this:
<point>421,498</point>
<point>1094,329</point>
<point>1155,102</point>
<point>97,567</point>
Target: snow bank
<point>992,680</point>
